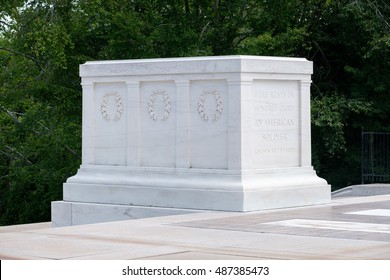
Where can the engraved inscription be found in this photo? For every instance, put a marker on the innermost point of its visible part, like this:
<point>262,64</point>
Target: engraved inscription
<point>111,106</point>
<point>273,108</point>
<point>275,120</point>
<point>274,143</point>
<point>205,96</point>
<point>274,137</point>
<point>273,94</point>
<point>266,150</point>
<point>167,105</point>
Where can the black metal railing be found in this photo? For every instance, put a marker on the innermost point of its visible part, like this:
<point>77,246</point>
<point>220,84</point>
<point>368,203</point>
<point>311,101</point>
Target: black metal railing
<point>375,157</point>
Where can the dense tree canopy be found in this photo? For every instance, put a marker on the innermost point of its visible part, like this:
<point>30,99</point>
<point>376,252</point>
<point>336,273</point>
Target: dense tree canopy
<point>43,42</point>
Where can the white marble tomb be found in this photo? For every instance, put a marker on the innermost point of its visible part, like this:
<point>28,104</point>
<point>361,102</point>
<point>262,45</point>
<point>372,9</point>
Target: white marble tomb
<point>171,136</point>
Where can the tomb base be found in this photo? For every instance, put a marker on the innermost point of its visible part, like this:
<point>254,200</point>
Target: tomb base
<point>65,213</point>
<point>102,194</point>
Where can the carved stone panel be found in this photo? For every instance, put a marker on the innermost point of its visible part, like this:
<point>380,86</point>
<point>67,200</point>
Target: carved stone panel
<point>111,106</point>
<point>217,105</point>
<point>209,131</point>
<point>158,124</point>
<point>110,123</point>
<point>165,112</point>
<point>274,124</point>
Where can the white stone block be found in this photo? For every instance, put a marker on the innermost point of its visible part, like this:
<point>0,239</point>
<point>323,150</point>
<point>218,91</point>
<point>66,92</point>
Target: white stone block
<point>227,133</point>
<point>81,213</point>
<point>61,213</point>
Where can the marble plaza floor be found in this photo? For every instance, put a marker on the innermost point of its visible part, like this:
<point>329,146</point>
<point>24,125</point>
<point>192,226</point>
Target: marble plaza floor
<point>348,228</point>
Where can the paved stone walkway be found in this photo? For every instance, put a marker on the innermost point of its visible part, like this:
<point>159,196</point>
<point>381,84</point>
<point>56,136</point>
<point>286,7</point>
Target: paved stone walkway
<point>348,228</point>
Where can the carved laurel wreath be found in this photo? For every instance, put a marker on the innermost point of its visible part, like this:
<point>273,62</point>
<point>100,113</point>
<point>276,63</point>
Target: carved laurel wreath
<point>167,106</point>
<point>201,103</point>
<point>119,107</point>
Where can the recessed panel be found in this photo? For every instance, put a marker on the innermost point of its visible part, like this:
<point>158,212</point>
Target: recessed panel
<point>209,105</point>
<point>273,124</point>
<point>110,123</point>
<point>158,124</point>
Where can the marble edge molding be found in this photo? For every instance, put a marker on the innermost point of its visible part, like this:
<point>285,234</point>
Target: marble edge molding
<point>197,65</point>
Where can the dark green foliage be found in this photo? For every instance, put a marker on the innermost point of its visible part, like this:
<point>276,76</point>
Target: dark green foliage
<point>40,111</point>
<point>351,84</point>
<point>42,44</point>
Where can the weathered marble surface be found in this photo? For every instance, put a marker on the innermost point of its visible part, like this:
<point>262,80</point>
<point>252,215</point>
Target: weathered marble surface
<point>225,133</point>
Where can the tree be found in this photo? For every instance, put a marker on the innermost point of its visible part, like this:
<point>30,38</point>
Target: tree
<point>350,52</point>
<point>40,111</point>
